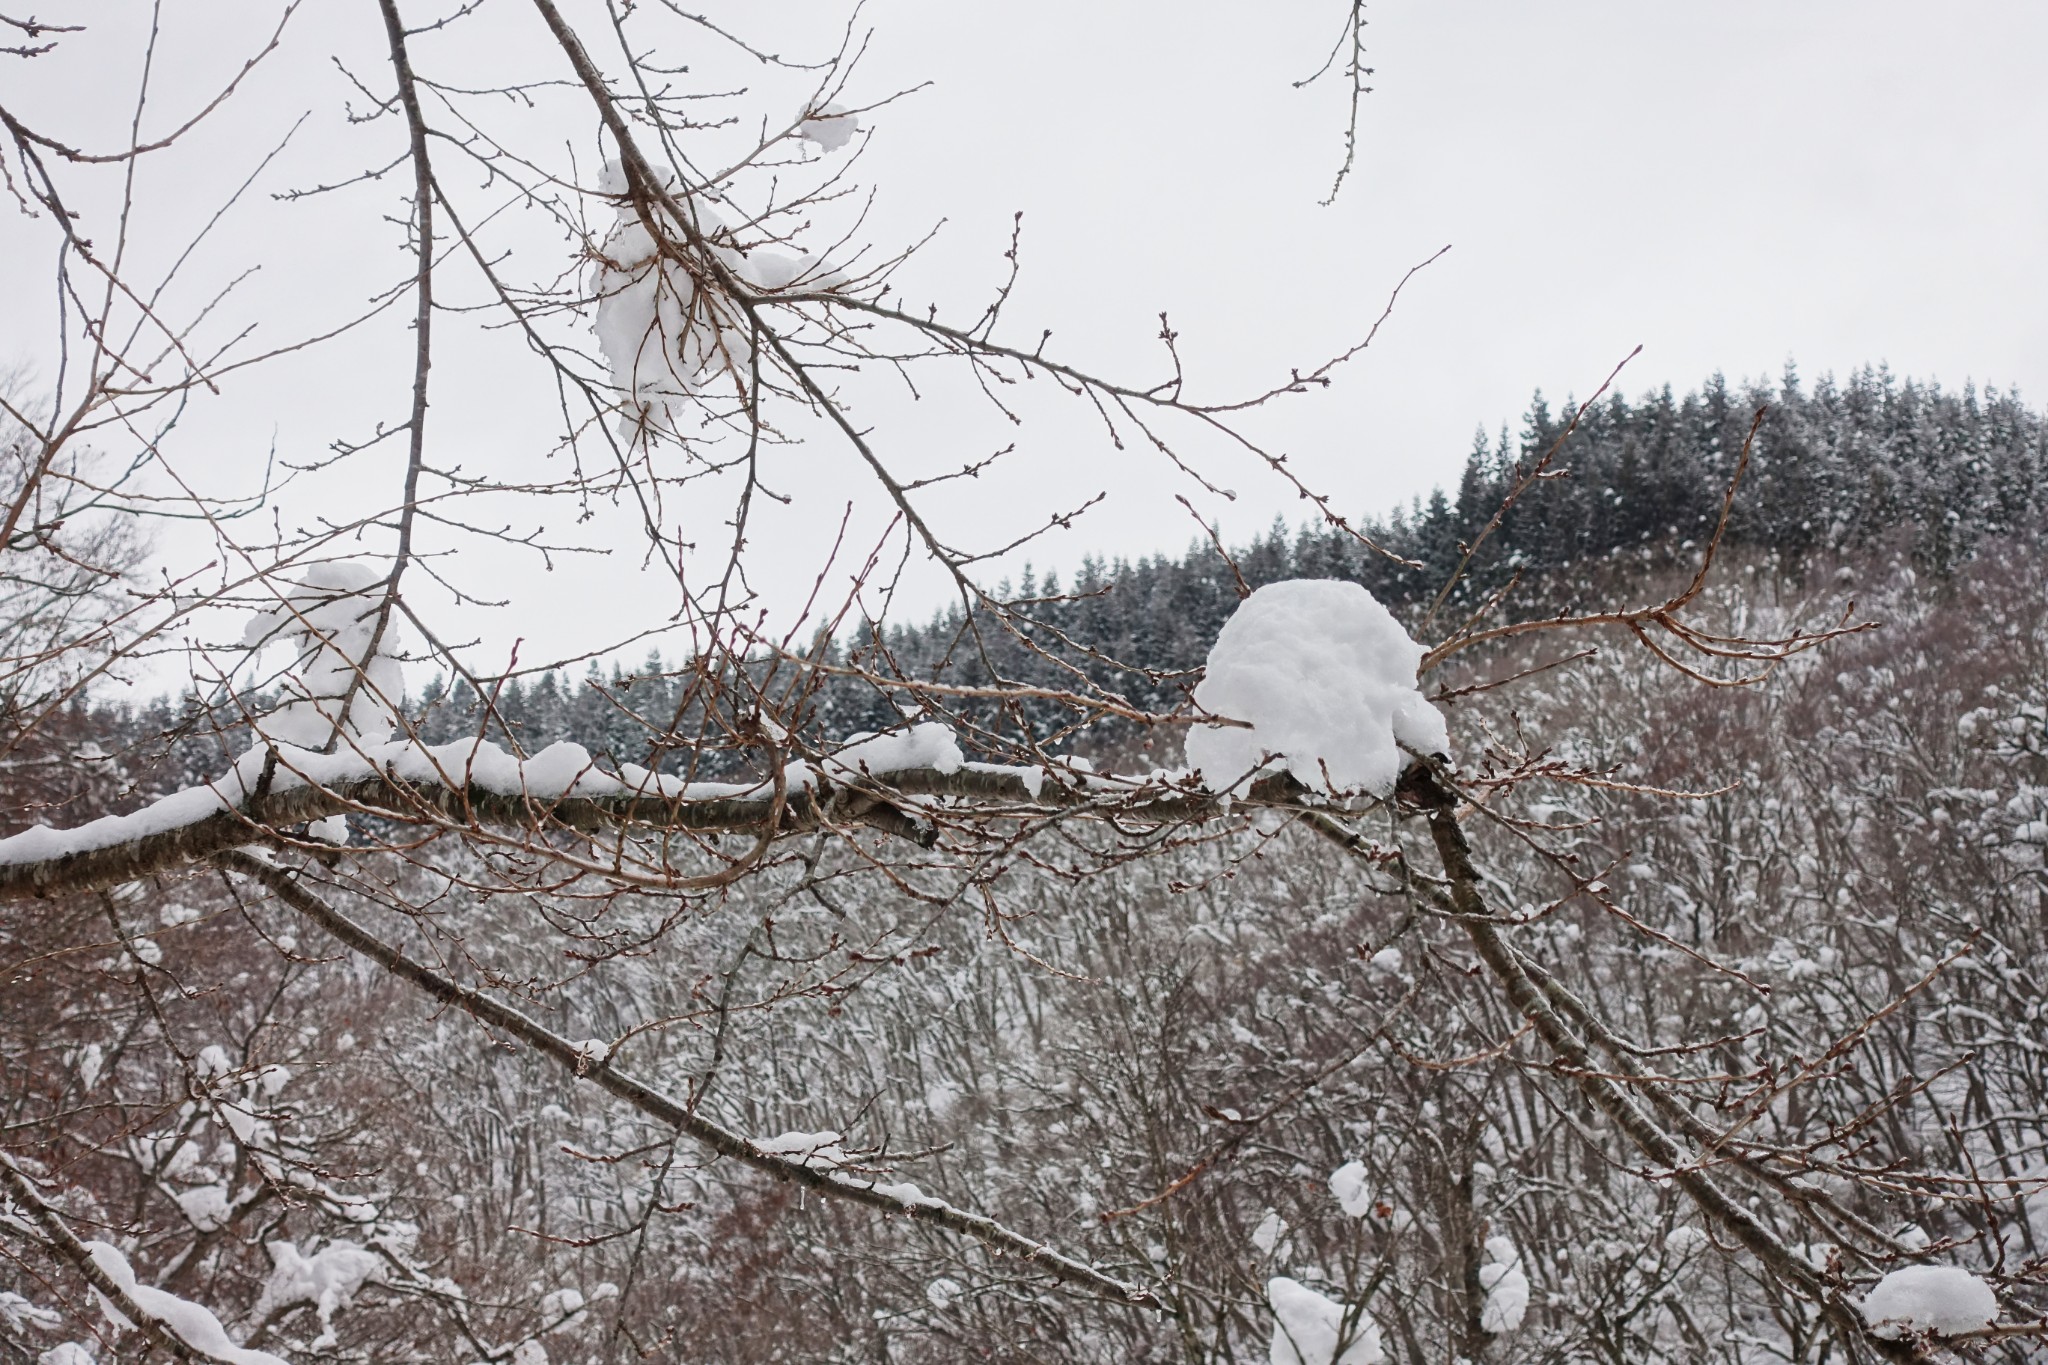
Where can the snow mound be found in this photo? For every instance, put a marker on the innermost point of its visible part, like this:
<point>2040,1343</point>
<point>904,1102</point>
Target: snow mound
<point>328,618</point>
<point>1326,676</point>
<point>207,1206</point>
<point>1307,1328</point>
<point>927,744</point>
<point>831,127</point>
<point>192,1324</point>
<point>819,1150</point>
<point>1348,1183</point>
<point>329,1279</point>
<point>1506,1286</point>
<point>666,338</point>
<point>1942,1299</point>
<point>663,337</point>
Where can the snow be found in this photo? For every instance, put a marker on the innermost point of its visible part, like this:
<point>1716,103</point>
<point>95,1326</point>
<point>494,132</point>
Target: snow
<point>18,1314</point>
<point>172,812</point>
<point>207,1206</point>
<point>1944,1300</point>
<point>906,1194</point>
<point>941,1292</point>
<point>772,272</point>
<point>1348,1183</point>
<point>1506,1287</point>
<point>639,781</point>
<point>1268,1233</point>
<point>1682,1243</point>
<point>831,126</point>
<point>196,1326</point>
<point>329,1279</point>
<point>666,339</point>
<point>1307,1327</point>
<point>247,1128</point>
<point>1033,777</point>
<point>662,341</point>
<point>926,745</point>
<point>91,1061</point>
<point>181,1161</point>
<point>562,1303</point>
<point>66,1353</point>
<point>328,617</point>
<point>819,1150</point>
<point>558,771</point>
<point>1326,676</point>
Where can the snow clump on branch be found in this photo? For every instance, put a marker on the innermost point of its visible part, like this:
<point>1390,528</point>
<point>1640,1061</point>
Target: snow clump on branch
<point>1506,1285</point>
<point>1309,1327</point>
<point>663,337</point>
<point>329,1279</point>
<point>1354,1195</point>
<point>1941,1300</point>
<point>343,675</point>
<point>831,126</point>
<point>191,1323</point>
<point>819,1150</point>
<point>1326,676</point>
<point>668,326</point>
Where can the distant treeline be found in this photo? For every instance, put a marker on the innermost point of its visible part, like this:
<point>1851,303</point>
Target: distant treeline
<point>1835,468</point>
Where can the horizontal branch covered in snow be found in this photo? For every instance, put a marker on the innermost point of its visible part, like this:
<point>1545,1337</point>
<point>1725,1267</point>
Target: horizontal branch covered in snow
<point>873,781</point>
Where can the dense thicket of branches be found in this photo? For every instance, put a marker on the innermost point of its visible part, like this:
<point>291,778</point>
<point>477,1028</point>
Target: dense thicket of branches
<point>1247,1013</point>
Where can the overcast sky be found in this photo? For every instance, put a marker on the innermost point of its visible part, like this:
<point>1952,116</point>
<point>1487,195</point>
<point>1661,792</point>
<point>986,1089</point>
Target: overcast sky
<point>1732,185</point>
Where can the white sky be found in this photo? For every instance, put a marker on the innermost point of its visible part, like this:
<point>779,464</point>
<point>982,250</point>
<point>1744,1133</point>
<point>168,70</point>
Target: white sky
<point>1731,184</point>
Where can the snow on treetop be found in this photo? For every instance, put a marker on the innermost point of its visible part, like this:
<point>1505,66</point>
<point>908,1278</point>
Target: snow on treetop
<point>1326,676</point>
<point>1945,1300</point>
